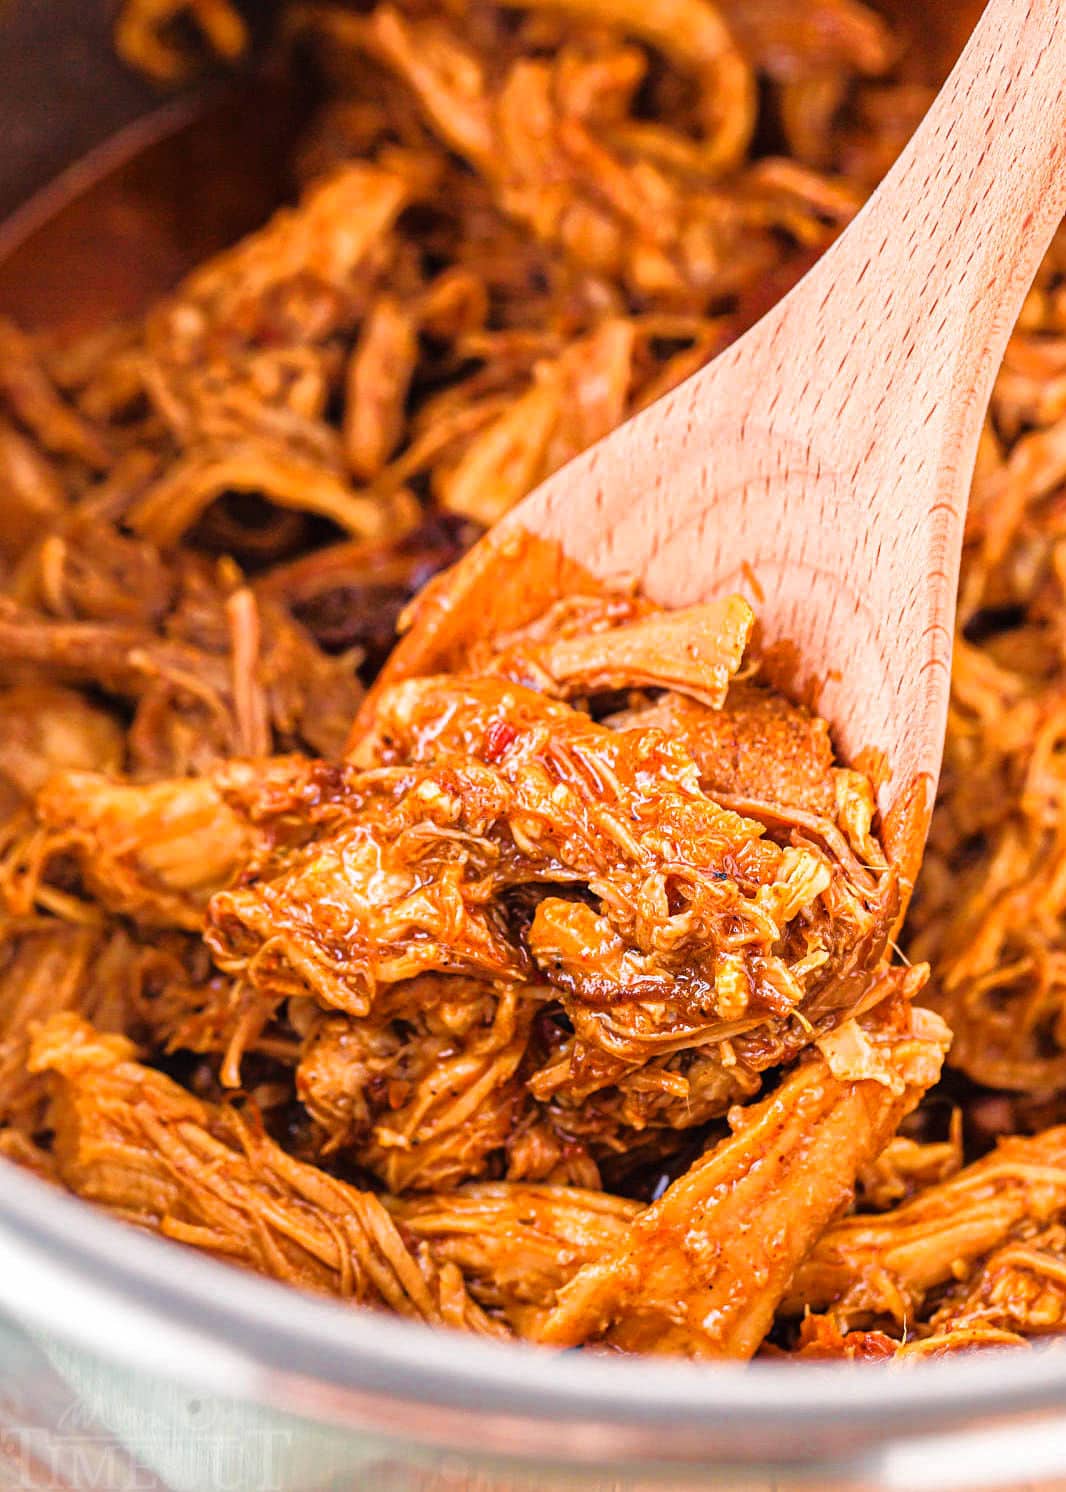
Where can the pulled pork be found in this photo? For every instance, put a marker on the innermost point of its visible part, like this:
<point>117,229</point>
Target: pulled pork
<point>510,942</point>
<point>505,952</point>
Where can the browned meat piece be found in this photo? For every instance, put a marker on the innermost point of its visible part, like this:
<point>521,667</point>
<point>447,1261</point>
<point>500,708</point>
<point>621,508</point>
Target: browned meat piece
<point>350,595</point>
<point>216,672</point>
<point>340,917</point>
<point>1020,1289</point>
<point>545,1147</point>
<point>1015,1295</point>
<point>133,1140</point>
<point>694,1275</point>
<point>756,746</point>
<point>158,851</point>
<point>866,1268</point>
<point>480,788</point>
<point>697,650</point>
<point>608,1103</point>
<point>516,1244</point>
<point>427,1090</point>
<point>44,967</point>
<point>499,588</point>
<point>429,1097</point>
<point>589,612</point>
<point>601,777</point>
<point>445,1074</point>
<point>821,1340</point>
<point>155,851</point>
<point>501,612</point>
<point>45,728</point>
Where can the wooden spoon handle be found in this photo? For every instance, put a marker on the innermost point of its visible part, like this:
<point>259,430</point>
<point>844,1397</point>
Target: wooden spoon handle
<point>930,279</point>
<point>933,273</point>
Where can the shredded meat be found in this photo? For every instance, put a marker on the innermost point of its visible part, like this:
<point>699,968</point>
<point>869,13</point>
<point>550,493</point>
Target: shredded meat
<point>992,1274</point>
<point>51,966</point>
<point>428,1090</point>
<point>474,789</point>
<point>501,938</point>
<point>515,1244</point>
<point>129,1138</point>
<point>497,948</point>
<point>885,1266</point>
<point>693,1276</point>
<point>1019,1289</point>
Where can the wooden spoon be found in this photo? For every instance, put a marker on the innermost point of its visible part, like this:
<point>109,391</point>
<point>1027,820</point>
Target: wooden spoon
<point>822,463</point>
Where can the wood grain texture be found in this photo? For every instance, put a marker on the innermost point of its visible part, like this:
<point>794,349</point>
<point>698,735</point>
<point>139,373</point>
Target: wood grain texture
<point>822,464</point>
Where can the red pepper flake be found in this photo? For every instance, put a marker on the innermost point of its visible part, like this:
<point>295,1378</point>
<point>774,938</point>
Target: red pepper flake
<point>497,739</point>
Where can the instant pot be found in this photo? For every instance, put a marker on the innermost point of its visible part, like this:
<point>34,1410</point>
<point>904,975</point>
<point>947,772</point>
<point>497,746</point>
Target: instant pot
<point>127,1362</point>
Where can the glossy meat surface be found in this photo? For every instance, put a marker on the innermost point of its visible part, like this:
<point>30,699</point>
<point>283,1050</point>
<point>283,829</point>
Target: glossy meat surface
<point>704,1268</point>
<point>522,962</point>
<point>485,789</point>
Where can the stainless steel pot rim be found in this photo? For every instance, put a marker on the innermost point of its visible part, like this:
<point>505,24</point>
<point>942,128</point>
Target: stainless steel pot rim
<point>278,1330</point>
